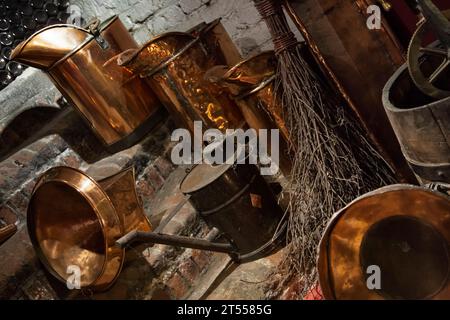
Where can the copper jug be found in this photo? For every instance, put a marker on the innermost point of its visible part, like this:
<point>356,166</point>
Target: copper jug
<point>80,62</point>
<point>174,64</point>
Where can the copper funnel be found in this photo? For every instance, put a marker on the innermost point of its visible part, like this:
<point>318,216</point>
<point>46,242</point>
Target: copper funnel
<point>117,106</point>
<point>75,221</point>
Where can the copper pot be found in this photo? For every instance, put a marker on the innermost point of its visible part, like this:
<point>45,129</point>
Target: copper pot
<point>118,107</point>
<point>174,64</point>
<point>74,221</point>
<point>251,84</point>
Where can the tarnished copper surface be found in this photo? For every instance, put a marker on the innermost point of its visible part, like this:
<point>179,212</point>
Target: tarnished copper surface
<point>112,101</point>
<point>403,229</point>
<point>251,84</point>
<point>174,64</point>
<point>75,221</point>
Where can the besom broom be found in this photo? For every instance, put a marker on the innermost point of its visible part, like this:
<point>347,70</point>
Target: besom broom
<point>333,163</point>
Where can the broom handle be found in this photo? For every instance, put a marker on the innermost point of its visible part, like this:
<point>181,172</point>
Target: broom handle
<point>282,36</point>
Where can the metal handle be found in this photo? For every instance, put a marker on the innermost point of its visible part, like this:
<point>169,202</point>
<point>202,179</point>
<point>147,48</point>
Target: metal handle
<point>173,240</point>
<point>94,28</point>
<point>387,6</point>
<point>7,232</point>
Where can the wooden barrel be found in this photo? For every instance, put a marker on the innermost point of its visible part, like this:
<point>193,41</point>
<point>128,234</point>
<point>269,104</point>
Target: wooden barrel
<point>422,126</point>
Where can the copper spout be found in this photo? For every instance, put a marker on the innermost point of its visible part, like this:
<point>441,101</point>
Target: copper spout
<point>49,45</point>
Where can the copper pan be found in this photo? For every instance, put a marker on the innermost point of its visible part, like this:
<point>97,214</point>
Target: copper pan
<point>74,221</point>
<point>403,230</point>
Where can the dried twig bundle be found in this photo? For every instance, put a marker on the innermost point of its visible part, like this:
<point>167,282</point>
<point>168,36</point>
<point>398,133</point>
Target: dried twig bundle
<point>332,161</point>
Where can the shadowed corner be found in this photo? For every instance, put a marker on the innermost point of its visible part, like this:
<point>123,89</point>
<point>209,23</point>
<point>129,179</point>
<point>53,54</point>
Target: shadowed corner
<point>41,121</point>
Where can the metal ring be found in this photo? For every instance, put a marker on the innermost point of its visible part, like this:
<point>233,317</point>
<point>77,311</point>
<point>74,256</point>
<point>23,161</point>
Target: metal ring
<point>164,64</point>
<point>260,86</point>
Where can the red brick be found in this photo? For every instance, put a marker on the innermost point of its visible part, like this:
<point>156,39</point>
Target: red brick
<point>18,261</point>
<point>153,177</point>
<point>189,270</point>
<point>164,166</point>
<point>19,202</point>
<point>7,215</point>
<point>145,190</point>
<point>201,258</point>
<point>177,287</point>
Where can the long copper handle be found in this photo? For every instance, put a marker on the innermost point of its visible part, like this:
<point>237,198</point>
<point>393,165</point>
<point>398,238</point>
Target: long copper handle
<point>7,232</point>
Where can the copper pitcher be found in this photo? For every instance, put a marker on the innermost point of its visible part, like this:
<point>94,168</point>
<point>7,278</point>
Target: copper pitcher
<point>118,107</point>
<point>174,64</point>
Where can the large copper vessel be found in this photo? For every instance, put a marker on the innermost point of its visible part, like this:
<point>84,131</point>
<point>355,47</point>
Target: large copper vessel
<point>174,64</point>
<point>251,85</point>
<point>392,243</point>
<point>119,107</point>
<point>74,221</point>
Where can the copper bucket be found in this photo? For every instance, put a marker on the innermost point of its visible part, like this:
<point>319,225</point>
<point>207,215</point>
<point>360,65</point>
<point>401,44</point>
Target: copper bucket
<point>174,64</point>
<point>118,107</point>
<point>398,233</point>
<point>251,84</point>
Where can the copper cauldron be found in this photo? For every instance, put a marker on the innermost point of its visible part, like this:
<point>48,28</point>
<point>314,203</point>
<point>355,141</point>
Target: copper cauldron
<point>118,107</point>
<point>392,243</point>
<point>174,64</point>
<point>251,84</point>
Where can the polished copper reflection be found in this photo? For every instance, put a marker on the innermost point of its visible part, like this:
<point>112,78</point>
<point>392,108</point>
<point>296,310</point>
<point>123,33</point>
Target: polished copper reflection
<point>402,229</point>
<point>251,84</point>
<point>174,64</point>
<point>74,221</point>
<point>83,67</point>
